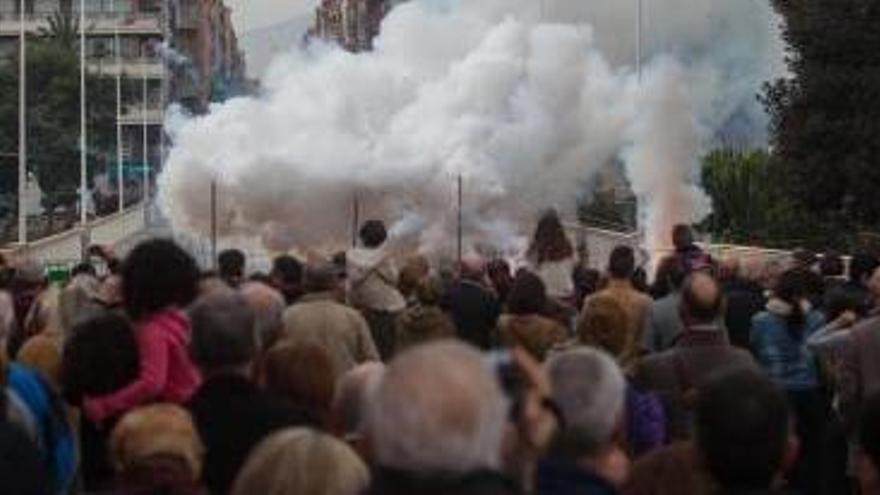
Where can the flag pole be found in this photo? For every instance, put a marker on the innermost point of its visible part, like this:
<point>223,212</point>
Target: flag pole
<point>83,151</point>
<point>120,174</point>
<point>22,130</point>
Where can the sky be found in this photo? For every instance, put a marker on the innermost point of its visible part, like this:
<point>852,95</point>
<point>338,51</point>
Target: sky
<point>252,14</point>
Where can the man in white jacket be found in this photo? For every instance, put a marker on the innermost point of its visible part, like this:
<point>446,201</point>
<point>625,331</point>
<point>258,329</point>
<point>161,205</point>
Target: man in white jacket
<point>372,285</point>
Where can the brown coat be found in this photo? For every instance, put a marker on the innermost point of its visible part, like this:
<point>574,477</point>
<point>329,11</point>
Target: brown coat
<point>534,333</point>
<point>635,304</point>
<point>339,329</point>
<point>420,323</point>
<point>859,369</point>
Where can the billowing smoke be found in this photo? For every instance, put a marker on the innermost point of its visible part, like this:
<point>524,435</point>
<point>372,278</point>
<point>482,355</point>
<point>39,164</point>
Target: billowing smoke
<point>525,103</point>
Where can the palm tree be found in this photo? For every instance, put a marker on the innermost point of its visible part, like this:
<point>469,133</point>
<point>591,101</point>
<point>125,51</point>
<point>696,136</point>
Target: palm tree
<point>63,28</point>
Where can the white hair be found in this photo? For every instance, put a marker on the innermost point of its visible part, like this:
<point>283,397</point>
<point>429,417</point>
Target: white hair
<point>268,305</point>
<point>352,394</point>
<point>589,388</point>
<point>437,408</point>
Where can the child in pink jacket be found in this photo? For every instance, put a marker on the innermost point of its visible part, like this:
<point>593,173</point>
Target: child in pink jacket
<point>158,278</point>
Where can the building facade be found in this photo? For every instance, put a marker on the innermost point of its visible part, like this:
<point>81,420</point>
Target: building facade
<point>352,24</point>
<point>183,51</point>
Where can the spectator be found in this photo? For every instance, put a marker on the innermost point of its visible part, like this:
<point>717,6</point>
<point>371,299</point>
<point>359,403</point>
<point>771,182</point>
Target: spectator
<point>22,467</point>
<point>524,324</point>
<point>319,318</point>
<point>231,266</point>
<point>303,375</point>
<point>437,443</point>
<point>603,326</point>
<point>552,257</point>
<point>664,325</point>
<point>586,283</point>
<point>833,270</point>
<point>159,278</point>
<point>414,272</point>
<point>100,356</point>
<point>688,255</point>
<point>861,267</point>
<point>744,432</point>
<point>501,278</point>
<point>779,339</point>
<point>28,282</point>
<point>424,320</point>
<point>32,404</point>
<point>268,306</point>
<point>156,449</point>
<point>350,399</point>
<point>473,306</point>
<point>231,413</point>
<point>636,305</point>
<point>287,277</point>
<point>584,457</point>
<point>372,285</point>
<point>744,298</point>
<point>868,466</point>
<point>859,366</point>
<point>701,351</point>
<point>298,461</point>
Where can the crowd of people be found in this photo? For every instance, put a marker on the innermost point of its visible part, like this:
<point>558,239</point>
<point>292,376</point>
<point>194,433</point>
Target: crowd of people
<point>376,372</point>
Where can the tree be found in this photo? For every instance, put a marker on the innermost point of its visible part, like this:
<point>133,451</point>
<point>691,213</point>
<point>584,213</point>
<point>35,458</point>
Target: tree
<point>749,207</point>
<point>53,113</point>
<point>825,117</point>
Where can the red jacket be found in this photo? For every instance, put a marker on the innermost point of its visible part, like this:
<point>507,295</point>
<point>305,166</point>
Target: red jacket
<point>166,372</point>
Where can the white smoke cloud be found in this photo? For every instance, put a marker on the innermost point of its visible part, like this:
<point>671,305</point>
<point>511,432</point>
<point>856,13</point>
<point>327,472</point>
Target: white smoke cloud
<point>525,110</point>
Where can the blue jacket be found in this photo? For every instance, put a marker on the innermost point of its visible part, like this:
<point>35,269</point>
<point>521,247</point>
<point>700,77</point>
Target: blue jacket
<point>788,362</point>
<point>56,438</point>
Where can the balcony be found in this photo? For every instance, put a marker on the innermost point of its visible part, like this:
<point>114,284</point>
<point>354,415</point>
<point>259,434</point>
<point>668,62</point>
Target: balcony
<point>136,68</point>
<point>102,23</point>
<point>133,115</point>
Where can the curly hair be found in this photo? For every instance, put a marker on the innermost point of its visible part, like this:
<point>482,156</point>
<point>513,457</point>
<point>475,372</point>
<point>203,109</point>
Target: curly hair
<point>550,242</point>
<point>157,274</point>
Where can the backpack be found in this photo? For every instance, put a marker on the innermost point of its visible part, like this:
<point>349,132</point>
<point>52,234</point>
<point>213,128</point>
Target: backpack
<point>645,421</point>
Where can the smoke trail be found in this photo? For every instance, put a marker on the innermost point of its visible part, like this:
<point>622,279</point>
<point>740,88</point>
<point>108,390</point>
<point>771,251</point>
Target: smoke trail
<point>526,111</point>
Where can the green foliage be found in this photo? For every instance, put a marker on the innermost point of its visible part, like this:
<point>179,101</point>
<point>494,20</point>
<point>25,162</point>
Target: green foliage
<point>53,113</point>
<point>825,118</point>
<point>750,207</point>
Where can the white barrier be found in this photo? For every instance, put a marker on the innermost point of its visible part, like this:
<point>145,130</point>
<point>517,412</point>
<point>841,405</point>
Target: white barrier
<point>120,230</point>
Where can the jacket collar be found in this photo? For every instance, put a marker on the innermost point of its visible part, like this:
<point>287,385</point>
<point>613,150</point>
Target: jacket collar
<point>702,336</point>
<point>318,296</point>
<point>781,308</point>
<point>563,477</point>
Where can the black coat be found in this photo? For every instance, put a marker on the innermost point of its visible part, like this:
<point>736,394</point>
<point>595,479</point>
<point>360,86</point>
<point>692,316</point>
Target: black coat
<point>475,311</point>
<point>744,300</point>
<point>232,416</point>
<point>394,482</point>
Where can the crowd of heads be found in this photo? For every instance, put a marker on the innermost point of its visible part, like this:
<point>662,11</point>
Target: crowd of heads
<point>339,378</point>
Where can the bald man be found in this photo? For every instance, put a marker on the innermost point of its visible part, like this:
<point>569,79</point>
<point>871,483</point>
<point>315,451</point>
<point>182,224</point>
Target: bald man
<point>701,351</point>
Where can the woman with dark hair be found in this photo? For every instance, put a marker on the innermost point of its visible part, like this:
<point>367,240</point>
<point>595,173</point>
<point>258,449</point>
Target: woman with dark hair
<point>779,339</point>
<point>552,257</point>
<point>100,356</point>
<point>524,324</point>
<point>499,274</point>
<point>158,280</point>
